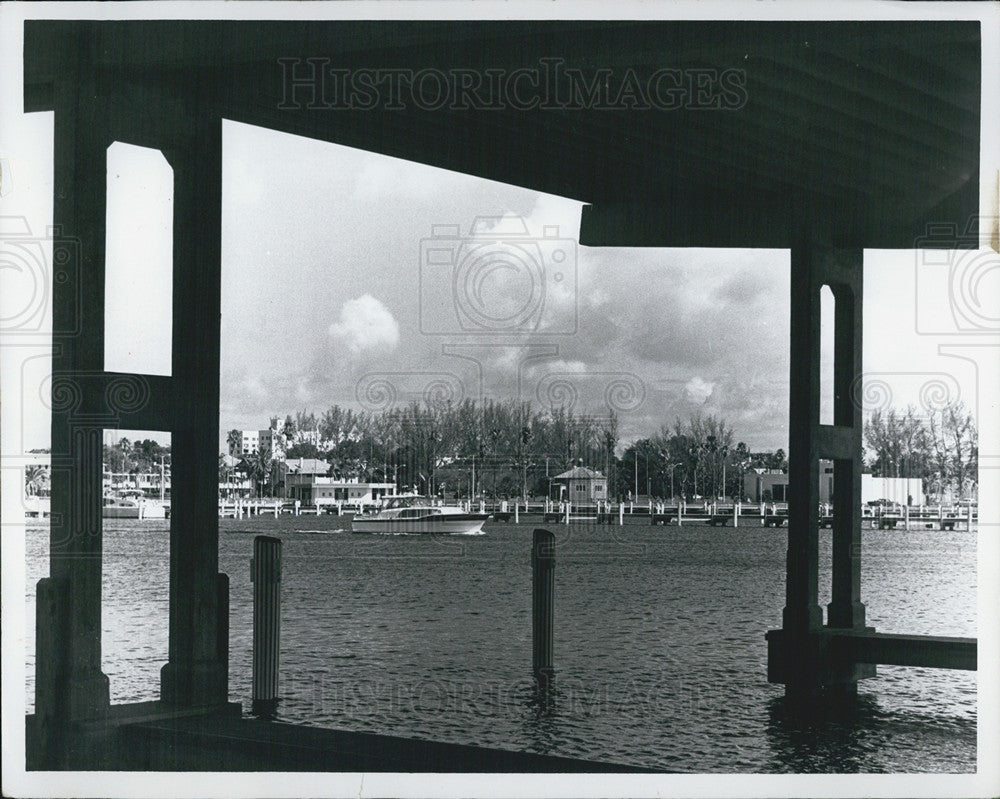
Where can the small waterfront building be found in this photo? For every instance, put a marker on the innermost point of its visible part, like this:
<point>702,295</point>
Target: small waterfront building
<point>233,483</point>
<point>325,491</point>
<point>297,475</point>
<point>766,485</point>
<point>579,484</point>
<point>763,485</point>
<point>309,481</point>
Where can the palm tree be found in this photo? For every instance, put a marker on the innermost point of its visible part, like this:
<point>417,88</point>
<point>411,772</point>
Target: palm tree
<point>234,438</point>
<point>124,447</point>
<point>260,463</point>
<point>36,479</point>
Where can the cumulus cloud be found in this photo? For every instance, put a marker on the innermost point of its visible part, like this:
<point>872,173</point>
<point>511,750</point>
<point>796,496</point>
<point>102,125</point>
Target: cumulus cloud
<point>698,390</point>
<point>365,324</point>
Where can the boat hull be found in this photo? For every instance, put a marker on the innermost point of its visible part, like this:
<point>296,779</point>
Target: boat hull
<point>451,524</point>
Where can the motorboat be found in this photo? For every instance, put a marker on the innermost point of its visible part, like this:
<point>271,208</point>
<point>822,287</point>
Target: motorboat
<point>416,515</point>
<point>132,505</point>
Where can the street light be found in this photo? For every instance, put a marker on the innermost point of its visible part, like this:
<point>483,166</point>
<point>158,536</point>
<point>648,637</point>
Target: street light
<point>672,467</point>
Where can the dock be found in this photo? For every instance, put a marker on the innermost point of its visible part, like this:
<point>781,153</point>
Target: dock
<point>152,736</point>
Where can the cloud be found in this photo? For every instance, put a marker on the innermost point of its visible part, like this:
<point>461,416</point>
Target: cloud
<point>698,390</point>
<point>365,324</point>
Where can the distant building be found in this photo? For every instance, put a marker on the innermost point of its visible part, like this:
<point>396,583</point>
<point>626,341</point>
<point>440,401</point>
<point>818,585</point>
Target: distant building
<point>253,441</point>
<point>233,483</point>
<point>308,480</point>
<point>249,444</point>
<point>766,485</point>
<point>273,439</point>
<point>329,491</point>
<point>772,486</point>
<point>298,474</point>
<point>580,484</point>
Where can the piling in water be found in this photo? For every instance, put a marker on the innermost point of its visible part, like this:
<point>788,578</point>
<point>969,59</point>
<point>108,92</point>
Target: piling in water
<point>543,566</point>
<point>265,574</point>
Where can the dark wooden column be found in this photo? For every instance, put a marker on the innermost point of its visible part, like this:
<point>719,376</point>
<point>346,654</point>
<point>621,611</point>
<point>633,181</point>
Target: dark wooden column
<point>196,673</point>
<point>70,685</point>
<point>799,654</point>
<point>844,441</point>
<point>802,611</point>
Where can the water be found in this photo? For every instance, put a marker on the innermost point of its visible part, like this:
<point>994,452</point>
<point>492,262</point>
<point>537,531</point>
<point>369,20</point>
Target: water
<point>659,640</point>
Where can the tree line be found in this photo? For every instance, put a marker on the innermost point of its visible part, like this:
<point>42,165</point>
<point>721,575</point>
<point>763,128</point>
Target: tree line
<point>940,447</point>
<point>507,448</point>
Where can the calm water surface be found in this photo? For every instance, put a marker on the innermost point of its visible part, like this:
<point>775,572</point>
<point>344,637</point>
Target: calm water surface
<point>659,640</point>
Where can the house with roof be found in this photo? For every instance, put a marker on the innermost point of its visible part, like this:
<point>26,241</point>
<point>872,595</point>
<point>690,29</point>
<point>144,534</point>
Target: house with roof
<point>579,484</point>
<point>309,481</point>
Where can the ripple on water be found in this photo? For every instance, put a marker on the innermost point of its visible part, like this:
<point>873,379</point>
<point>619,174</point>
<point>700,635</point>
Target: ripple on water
<point>659,641</point>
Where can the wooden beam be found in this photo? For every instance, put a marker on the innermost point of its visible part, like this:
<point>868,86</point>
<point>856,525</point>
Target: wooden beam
<point>931,651</point>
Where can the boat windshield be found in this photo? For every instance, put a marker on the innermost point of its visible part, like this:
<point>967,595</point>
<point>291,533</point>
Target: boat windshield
<point>407,502</point>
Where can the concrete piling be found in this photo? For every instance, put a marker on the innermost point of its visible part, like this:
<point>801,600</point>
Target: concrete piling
<point>265,574</point>
<point>543,564</point>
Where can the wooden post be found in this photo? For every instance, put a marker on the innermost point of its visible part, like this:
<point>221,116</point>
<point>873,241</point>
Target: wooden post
<point>736,514</point>
<point>906,517</point>
<point>567,511</point>
<point>265,574</point>
<point>543,565</point>
<point>621,514</point>
<point>970,517</point>
<point>517,514</point>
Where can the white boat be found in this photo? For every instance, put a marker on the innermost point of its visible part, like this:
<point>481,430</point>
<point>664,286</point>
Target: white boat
<point>414,515</point>
<point>132,505</point>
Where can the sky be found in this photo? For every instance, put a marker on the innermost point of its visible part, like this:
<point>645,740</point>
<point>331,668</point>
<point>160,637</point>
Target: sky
<point>356,279</point>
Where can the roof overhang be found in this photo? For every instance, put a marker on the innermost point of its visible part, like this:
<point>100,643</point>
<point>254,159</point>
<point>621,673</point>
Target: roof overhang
<point>857,133</point>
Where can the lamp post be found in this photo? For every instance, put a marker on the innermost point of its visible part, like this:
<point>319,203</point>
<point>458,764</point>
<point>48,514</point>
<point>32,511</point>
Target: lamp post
<point>495,434</point>
<point>672,467</point>
<point>635,457</point>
